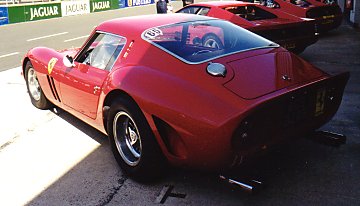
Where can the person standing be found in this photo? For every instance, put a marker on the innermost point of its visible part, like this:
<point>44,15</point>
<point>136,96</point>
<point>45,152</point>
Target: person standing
<point>161,6</point>
<point>187,2</point>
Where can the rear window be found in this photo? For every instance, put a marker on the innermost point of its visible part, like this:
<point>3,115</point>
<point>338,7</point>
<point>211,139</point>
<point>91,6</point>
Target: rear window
<point>199,10</point>
<point>301,3</point>
<point>199,41</point>
<point>250,13</point>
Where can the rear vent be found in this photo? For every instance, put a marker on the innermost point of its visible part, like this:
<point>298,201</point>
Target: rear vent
<point>171,138</point>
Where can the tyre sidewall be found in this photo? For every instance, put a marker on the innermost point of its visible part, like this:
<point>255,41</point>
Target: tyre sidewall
<point>42,103</point>
<point>151,163</point>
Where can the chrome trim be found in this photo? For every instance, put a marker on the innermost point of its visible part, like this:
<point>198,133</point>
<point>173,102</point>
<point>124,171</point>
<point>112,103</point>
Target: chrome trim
<point>216,69</point>
<point>243,186</point>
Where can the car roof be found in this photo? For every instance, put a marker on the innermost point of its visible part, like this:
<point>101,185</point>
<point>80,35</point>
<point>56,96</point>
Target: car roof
<point>135,25</point>
<point>223,3</point>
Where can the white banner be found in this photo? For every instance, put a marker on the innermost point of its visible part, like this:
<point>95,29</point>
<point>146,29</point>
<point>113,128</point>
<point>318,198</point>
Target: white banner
<point>69,8</point>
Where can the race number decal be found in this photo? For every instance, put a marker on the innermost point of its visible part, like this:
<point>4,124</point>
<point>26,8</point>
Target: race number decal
<point>152,33</point>
<point>51,64</point>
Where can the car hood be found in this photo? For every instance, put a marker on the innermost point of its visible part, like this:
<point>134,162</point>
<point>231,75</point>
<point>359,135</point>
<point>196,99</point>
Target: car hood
<point>260,75</point>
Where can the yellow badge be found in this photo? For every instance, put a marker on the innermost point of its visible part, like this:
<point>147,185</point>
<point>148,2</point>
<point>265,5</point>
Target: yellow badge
<point>51,64</point>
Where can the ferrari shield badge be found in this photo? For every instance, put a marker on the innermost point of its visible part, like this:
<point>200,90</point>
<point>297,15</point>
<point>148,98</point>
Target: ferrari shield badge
<point>51,64</point>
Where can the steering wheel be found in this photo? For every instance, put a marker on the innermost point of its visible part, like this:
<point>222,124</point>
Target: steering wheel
<point>98,58</point>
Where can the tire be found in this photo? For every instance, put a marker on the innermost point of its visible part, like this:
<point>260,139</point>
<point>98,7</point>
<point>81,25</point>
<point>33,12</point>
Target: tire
<point>133,143</point>
<point>36,94</point>
<point>212,41</point>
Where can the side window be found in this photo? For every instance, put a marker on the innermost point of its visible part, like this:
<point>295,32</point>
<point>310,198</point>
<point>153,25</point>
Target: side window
<point>195,10</point>
<point>189,10</point>
<point>300,3</point>
<point>270,3</point>
<point>102,51</point>
<point>203,11</point>
<point>251,13</point>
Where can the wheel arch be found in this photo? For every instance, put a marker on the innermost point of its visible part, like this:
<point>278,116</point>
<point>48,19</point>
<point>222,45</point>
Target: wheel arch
<point>110,98</point>
<point>25,61</point>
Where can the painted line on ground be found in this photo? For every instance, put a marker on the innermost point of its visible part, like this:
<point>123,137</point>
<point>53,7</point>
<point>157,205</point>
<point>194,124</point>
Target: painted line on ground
<point>76,38</point>
<point>10,54</point>
<point>47,36</point>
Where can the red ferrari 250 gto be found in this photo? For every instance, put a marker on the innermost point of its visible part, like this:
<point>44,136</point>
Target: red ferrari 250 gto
<point>291,32</point>
<point>327,16</point>
<point>162,91</point>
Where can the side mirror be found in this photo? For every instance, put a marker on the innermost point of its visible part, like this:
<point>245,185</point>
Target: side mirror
<point>68,61</point>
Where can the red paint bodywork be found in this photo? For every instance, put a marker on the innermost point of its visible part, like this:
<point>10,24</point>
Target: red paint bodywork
<point>290,31</point>
<point>327,16</point>
<point>197,119</point>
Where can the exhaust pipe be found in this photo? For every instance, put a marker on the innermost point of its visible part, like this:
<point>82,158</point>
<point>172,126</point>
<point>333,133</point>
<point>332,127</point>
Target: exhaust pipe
<point>251,187</point>
<point>329,138</point>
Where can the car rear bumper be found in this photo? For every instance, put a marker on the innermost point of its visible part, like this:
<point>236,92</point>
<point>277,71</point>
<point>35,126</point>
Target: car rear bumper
<point>327,24</point>
<point>290,115</point>
<point>298,44</point>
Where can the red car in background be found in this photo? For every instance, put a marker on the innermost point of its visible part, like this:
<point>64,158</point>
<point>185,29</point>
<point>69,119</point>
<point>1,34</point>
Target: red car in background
<point>291,32</point>
<point>330,2</point>
<point>163,92</point>
<point>327,16</point>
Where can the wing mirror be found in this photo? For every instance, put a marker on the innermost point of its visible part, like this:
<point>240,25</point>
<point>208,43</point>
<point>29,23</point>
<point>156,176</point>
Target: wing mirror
<point>68,61</point>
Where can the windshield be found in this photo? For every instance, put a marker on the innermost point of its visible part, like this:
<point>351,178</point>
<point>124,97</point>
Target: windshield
<point>199,41</point>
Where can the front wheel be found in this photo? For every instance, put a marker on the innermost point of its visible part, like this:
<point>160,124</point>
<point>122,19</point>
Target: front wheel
<point>132,141</point>
<point>36,94</point>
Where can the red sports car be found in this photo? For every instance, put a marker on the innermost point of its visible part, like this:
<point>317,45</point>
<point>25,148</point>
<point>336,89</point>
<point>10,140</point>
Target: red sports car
<point>327,16</point>
<point>330,2</point>
<point>190,90</point>
<point>291,32</point>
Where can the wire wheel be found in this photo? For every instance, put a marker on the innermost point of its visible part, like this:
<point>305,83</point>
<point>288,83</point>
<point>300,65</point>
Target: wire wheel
<point>33,83</point>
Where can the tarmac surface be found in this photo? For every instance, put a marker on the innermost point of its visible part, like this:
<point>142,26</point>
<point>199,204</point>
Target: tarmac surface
<point>52,158</point>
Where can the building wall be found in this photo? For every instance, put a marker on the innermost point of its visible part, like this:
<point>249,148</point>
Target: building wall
<point>355,13</point>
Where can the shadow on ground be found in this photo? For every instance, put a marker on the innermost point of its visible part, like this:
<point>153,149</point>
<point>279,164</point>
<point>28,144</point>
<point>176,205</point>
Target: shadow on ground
<point>298,173</point>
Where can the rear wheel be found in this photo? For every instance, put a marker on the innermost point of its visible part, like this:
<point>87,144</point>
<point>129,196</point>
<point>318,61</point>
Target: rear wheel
<point>132,141</point>
<point>36,94</point>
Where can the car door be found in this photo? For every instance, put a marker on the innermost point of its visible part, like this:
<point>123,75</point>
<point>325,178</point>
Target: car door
<point>82,84</point>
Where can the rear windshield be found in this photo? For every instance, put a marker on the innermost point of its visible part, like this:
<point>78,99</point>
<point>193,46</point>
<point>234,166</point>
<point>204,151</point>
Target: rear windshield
<point>251,13</point>
<point>199,41</point>
<point>199,10</point>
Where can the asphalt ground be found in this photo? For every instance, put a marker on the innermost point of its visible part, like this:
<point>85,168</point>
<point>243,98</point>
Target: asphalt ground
<point>52,158</point>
